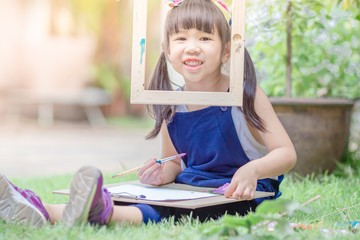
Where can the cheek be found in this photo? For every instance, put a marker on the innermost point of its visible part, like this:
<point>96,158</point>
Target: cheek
<point>174,55</point>
<point>215,51</point>
<point>216,55</point>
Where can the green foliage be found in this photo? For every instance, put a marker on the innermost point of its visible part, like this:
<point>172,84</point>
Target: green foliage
<point>247,222</point>
<point>280,205</point>
<point>350,165</point>
<point>325,48</point>
<point>348,4</point>
<point>109,78</point>
<point>104,19</point>
<point>255,224</point>
<point>338,204</point>
<point>89,12</point>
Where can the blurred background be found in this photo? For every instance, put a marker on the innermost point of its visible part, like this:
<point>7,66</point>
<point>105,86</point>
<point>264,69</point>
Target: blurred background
<point>64,87</point>
<point>55,50</point>
<point>65,75</point>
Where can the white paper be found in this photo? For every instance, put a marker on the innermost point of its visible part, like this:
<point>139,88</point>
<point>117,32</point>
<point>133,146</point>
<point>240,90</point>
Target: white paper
<point>155,193</point>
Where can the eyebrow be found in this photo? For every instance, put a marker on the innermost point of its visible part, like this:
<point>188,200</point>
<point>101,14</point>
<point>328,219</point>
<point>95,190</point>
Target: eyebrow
<point>185,30</point>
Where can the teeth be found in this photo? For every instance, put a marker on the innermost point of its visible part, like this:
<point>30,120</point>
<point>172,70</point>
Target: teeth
<point>193,63</point>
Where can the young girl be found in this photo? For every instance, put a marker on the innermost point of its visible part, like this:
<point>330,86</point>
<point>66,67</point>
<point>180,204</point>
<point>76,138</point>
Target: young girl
<point>246,147</point>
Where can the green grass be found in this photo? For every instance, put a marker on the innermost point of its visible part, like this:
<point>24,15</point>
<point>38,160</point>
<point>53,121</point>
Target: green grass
<point>338,204</point>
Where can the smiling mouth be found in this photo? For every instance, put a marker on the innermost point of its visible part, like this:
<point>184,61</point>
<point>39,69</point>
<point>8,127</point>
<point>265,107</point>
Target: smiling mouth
<point>193,63</point>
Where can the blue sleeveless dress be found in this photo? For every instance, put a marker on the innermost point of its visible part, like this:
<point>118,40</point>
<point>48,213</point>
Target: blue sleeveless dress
<point>213,150</point>
<point>213,155</point>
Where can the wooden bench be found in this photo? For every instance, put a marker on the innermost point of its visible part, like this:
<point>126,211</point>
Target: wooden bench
<point>89,98</point>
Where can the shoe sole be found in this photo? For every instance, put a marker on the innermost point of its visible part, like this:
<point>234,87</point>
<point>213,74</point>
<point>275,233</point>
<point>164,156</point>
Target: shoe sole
<point>14,208</point>
<point>82,191</point>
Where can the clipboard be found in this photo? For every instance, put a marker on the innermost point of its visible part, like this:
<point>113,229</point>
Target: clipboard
<point>187,204</point>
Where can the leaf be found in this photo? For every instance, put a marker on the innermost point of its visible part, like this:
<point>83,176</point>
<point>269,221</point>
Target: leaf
<point>226,231</point>
<point>284,227</point>
<point>278,206</point>
<point>244,237</point>
<point>247,221</point>
<point>211,230</point>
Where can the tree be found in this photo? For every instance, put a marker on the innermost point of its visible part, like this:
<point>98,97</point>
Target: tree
<point>312,43</point>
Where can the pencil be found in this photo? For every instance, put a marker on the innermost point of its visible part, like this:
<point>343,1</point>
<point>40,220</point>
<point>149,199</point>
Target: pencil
<point>164,160</point>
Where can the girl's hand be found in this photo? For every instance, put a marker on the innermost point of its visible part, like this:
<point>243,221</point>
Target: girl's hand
<point>243,184</point>
<point>151,173</point>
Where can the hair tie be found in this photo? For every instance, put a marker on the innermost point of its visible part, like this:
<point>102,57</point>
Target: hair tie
<point>173,3</point>
<point>218,3</point>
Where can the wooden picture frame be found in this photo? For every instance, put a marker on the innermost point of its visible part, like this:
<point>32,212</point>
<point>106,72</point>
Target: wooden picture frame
<point>139,93</point>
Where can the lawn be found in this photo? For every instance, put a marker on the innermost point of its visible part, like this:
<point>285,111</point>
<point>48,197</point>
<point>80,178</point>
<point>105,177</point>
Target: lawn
<point>338,205</point>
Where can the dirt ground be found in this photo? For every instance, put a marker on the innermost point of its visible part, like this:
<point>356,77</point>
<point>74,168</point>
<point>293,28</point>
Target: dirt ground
<point>27,149</point>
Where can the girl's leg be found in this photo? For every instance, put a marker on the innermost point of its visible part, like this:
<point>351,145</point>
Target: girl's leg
<point>127,214</point>
<point>89,202</point>
<point>55,211</point>
<point>121,214</point>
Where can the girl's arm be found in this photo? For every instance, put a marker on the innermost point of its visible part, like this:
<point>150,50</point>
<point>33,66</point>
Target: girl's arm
<point>282,155</point>
<point>280,159</point>
<point>159,174</point>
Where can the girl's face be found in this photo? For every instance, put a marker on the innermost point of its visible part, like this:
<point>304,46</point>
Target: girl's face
<point>197,55</point>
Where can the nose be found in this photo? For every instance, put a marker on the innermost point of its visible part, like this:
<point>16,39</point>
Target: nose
<point>192,48</point>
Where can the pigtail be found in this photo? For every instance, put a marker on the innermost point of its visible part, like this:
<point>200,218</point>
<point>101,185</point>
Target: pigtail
<point>160,80</point>
<point>250,85</point>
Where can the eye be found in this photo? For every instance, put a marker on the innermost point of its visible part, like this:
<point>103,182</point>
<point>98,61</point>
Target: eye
<point>178,38</point>
<point>204,39</point>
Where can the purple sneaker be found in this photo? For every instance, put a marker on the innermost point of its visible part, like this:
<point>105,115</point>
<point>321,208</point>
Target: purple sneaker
<point>102,209</point>
<point>20,206</point>
<point>88,202</point>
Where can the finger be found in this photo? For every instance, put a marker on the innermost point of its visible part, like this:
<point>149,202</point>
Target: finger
<point>153,170</point>
<point>247,194</point>
<point>162,167</point>
<point>146,166</point>
<point>230,189</point>
<point>155,176</point>
<point>238,192</point>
